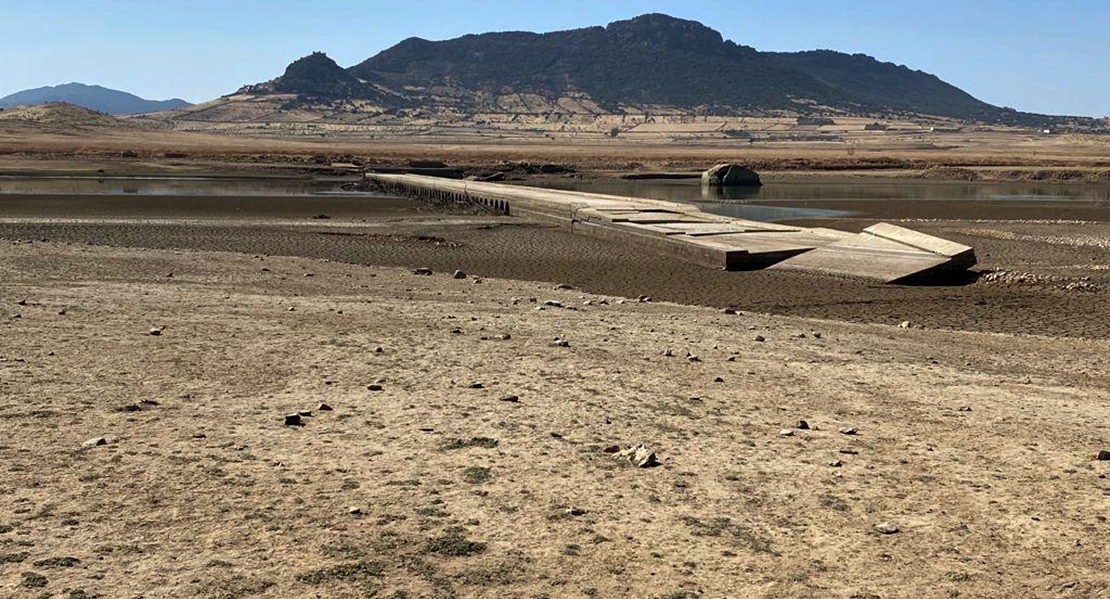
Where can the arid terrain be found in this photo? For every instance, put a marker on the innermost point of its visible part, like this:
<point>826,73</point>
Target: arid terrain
<point>978,448</point>
<point>457,433</point>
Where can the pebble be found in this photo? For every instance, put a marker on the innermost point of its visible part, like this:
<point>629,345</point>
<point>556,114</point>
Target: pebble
<point>562,343</point>
<point>61,312</point>
<point>553,304</point>
<point>692,358</point>
<point>459,274</point>
<point>379,350</point>
<point>305,413</point>
<point>848,431</point>
<point>293,420</point>
<point>639,456</point>
<point>94,442</point>
<point>849,451</point>
<point>667,353</point>
<point>476,385</point>
<point>643,299</point>
<point>802,425</point>
<point>563,287</point>
<point>887,528</point>
<point>760,338</point>
<point>156,331</point>
<point>21,303</point>
<point>354,511</point>
<point>836,464</point>
<point>374,387</point>
<point>786,432</point>
<point>729,311</point>
<point>422,271</point>
<point>964,409</point>
<point>905,324</point>
<point>1104,456</point>
<point>718,380</point>
<point>511,398</point>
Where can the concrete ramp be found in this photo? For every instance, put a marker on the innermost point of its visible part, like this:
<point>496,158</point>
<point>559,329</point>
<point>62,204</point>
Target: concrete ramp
<point>889,253</point>
<point>883,252</point>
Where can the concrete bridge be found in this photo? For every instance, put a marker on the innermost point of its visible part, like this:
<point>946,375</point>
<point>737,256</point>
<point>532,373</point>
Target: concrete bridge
<point>882,252</point>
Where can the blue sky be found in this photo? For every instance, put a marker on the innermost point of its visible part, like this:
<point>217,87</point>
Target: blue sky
<point>1034,55</point>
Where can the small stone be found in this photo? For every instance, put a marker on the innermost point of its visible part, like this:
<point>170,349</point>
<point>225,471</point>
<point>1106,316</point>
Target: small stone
<point>308,274</point>
<point>422,271</point>
<point>293,420</point>
<point>61,312</point>
<point>553,304</point>
<point>374,387</point>
<point>849,451</point>
<point>292,309</point>
<point>786,432</point>
<point>456,331</point>
<point>587,303</point>
<point>305,413</point>
<point>354,511</point>
<point>887,528</point>
<point>802,425</point>
<point>963,409</point>
<point>563,287</point>
<point>476,385</point>
<point>848,431</point>
<point>94,442</point>
<point>21,303</point>
<point>718,380</point>
<point>156,331</point>
<point>759,339</point>
<point>576,511</point>
<point>836,464</point>
<point>905,324</point>
<point>730,359</point>
<point>667,353</point>
<point>506,336</point>
<point>692,358</point>
<point>816,334</point>
<point>459,274</point>
<point>379,350</point>
<point>510,399</point>
<point>612,449</point>
<point>643,299</point>
<point>1103,456</point>
<point>639,456</point>
<point>562,343</point>
<point>729,311</point>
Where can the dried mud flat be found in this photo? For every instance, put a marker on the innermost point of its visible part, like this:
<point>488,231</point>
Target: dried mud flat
<point>979,449</point>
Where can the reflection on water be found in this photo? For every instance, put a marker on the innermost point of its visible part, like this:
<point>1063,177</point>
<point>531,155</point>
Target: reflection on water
<point>757,203</point>
<point>163,186</point>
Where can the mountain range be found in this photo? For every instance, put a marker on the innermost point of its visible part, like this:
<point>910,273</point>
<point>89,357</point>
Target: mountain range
<point>93,97</point>
<point>648,63</point>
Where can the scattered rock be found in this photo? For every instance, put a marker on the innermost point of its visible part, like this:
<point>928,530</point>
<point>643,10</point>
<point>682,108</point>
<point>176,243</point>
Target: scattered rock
<point>692,358</point>
<point>836,464</point>
<point>887,528</point>
<point>849,451</point>
<point>354,511</point>
<point>905,324</point>
<point>639,456</point>
<point>422,271</point>
<point>816,334</point>
<point>643,299</point>
<point>510,399</point>
<point>667,353</point>
<point>61,312</point>
<point>729,311</point>
<point>476,385</point>
<point>786,432</point>
<point>459,274</point>
<point>1103,456</point>
<point>553,304</point>
<point>561,342</point>
<point>848,431</point>
<point>612,449</point>
<point>379,350</point>
<point>506,336</point>
<point>320,217</point>
<point>94,442</point>
<point>156,331</point>
<point>802,425</point>
<point>21,303</point>
<point>759,338</point>
<point>374,387</point>
<point>718,380</point>
<point>964,409</point>
<point>563,287</point>
<point>293,420</point>
<point>305,413</point>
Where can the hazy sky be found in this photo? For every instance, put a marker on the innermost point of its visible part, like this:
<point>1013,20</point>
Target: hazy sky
<point>1047,56</point>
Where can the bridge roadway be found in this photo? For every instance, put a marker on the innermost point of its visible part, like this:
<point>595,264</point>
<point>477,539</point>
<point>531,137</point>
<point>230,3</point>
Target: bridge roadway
<point>882,252</point>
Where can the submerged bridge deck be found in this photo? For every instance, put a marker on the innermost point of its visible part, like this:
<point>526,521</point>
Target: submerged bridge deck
<point>883,252</point>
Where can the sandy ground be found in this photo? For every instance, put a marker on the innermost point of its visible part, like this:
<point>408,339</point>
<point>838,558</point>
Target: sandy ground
<point>979,448</point>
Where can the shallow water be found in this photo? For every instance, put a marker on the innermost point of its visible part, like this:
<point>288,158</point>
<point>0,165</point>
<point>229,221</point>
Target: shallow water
<point>776,201</point>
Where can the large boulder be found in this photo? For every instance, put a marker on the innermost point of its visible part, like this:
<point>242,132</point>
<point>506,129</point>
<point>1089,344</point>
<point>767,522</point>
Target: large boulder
<point>728,175</point>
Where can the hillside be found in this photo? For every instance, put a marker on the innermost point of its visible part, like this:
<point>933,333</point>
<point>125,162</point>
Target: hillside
<point>650,64</point>
<point>93,97</point>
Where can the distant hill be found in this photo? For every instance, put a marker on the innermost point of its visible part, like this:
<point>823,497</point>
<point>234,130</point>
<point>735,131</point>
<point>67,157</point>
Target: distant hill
<point>93,97</point>
<point>648,63</point>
